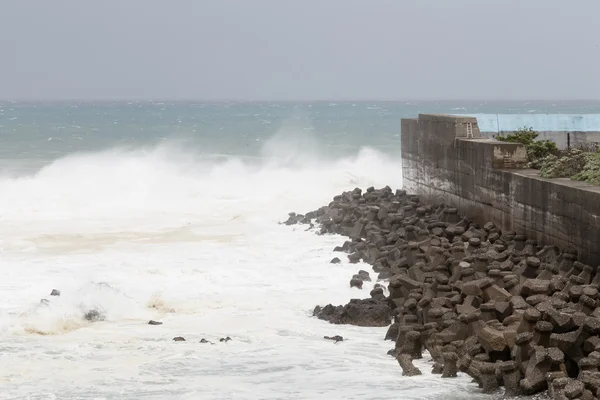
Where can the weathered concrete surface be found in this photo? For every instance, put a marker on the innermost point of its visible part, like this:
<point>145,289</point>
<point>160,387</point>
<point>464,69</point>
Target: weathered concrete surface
<point>562,139</point>
<point>486,181</point>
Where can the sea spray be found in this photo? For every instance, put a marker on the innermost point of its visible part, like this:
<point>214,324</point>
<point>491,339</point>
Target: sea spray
<point>164,234</point>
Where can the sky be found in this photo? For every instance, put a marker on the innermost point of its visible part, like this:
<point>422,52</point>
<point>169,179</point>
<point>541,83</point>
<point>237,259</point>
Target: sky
<point>299,50</point>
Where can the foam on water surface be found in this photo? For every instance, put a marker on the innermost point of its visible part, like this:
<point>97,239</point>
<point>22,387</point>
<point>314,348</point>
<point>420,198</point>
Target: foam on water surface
<point>161,234</point>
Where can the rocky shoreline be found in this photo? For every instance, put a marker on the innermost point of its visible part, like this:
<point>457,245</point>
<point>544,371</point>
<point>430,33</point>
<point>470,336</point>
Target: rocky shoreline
<point>505,310</point>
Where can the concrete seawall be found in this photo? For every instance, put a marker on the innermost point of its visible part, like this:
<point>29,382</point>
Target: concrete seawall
<point>566,130</point>
<point>446,159</point>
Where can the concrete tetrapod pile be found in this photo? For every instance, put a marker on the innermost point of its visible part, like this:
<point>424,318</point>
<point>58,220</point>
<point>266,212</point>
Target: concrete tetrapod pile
<point>491,304</point>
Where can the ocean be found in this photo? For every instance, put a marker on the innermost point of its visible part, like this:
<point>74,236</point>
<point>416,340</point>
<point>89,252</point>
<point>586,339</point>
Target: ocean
<point>170,211</point>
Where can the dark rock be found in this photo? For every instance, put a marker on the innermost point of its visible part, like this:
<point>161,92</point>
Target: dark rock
<point>392,333</point>
<point>335,260</point>
<point>364,275</point>
<point>225,339</point>
<point>152,322</point>
<point>377,294</point>
<point>367,312</point>
<point>405,352</point>
<point>55,292</point>
<point>501,308</point>
<point>93,316</point>
<point>336,338</point>
<point>356,282</point>
<point>293,218</point>
<point>491,339</point>
<point>450,364</point>
<point>574,389</point>
<point>179,339</point>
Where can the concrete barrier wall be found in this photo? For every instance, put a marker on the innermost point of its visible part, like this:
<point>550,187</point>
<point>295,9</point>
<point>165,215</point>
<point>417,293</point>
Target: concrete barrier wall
<point>539,122</point>
<point>563,139</point>
<point>574,130</point>
<point>486,180</point>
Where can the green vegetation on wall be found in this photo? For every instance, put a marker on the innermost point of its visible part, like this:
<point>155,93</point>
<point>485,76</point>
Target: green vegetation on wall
<point>537,150</point>
<point>591,170</point>
<point>577,164</point>
<point>563,166</point>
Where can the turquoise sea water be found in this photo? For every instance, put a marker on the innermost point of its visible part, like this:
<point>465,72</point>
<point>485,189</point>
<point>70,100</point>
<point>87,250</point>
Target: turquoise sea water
<point>44,131</point>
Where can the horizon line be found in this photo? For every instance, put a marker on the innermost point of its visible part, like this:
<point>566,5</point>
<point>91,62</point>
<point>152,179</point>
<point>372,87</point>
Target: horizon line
<point>422,100</point>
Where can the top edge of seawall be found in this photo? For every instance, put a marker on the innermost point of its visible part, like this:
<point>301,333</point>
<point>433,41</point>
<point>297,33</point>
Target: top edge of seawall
<point>445,117</point>
<point>567,182</point>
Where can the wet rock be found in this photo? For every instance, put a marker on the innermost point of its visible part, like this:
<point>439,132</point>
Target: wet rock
<point>179,339</point>
<point>364,275</point>
<point>405,351</point>
<point>55,292</point>
<point>503,309</point>
<point>356,282</point>
<point>450,369</point>
<point>336,260</point>
<point>94,316</point>
<point>574,389</point>
<point>475,288</point>
<point>408,368</point>
<point>511,376</point>
<point>367,312</point>
<point>377,294</point>
<point>152,322</point>
<point>293,218</point>
<point>336,338</point>
<point>205,341</point>
<point>225,339</point>
<point>392,333</point>
<point>491,339</point>
<point>535,286</point>
<point>489,381</point>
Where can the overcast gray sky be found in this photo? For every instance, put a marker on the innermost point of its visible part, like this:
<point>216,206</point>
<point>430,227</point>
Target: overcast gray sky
<point>308,50</point>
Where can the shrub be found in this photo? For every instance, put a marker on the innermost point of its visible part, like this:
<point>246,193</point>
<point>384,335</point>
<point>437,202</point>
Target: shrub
<point>537,150</point>
<point>591,170</point>
<point>522,135</point>
<point>564,166</point>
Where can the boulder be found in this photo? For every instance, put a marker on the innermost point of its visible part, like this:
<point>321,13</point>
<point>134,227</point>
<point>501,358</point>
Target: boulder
<point>495,305</point>
<point>366,312</point>
<point>94,316</point>
<point>356,282</point>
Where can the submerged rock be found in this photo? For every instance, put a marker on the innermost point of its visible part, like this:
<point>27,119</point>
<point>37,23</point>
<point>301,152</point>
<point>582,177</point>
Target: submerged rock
<point>356,282</point>
<point>152,322</point>
<point>336,338</point>
<point>94,316</point>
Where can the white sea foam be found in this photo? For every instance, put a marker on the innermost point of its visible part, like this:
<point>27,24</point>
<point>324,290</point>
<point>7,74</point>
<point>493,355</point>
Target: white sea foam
<point>161,233</point>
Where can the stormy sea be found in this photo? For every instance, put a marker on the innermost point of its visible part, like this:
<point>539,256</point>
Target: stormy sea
<point>171,211</point>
